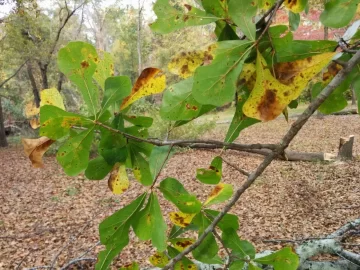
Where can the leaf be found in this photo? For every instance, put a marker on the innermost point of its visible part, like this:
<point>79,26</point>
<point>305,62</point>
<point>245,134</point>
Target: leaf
<point>338,13</point>
<point>215,84</point>
<point>219,194</point>
<point>294,20</point>
<point>97,169</point>
<point>78,61</point>
<point>185,63</point>
<point>34,123</point>
<point>242,12</point>
<point>170,18</point>
<point>182,243</point>
<point>225,32</point>
<point>158,225</point>
<point>266,4</point>
<point>240,121</point>
<point>241,248</point>
<point>116,89</point>
<point>132,266</point>
<point>284,259</point>
<point>104,68</point>
<point>140,167</point>
<point>114,232</point>
<point>151,81</point>
<point>56,123</point>
<point>295,6</point>
<point>236,265</point>
<point>175,192</point>
<point>181,219</point>
<point>218,8</point>
<point>159,259</point>
<point>73,155</point>
<point>229,221</point>
<point>252,266</point>
<point>335,102</point>
<point>356,86</point>
<point>35,149</point>
<point>118,181</point>
<point>185,263</point>
<point>271,96</point>
<point>212,175</point>
<point>141,121</point>
<point>159,156</point>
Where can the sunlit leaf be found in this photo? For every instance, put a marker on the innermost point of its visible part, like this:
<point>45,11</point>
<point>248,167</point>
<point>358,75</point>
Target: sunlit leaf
<point>36,148</point>
<point>78,61</point>
<point>338,13</point>
<point>170,18</point>
<point>97,169</point>
<point>213,174</point>
<point>181,243</point>
<point>151,81</point>
<point>242,12</point>
<point>215,84</point>
<point>284,259</point>
<point>219,194</point>
<point>104,68</point>
<point>159,259</point>
<point>175,192</point>
<point>181,219</point>
<point>118,181</point>
<point>73,155</point>
<point>185,63</point>
<point>240,248</point>
<point>295,6</point>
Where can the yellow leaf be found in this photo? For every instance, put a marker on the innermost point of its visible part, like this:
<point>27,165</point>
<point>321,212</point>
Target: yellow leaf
<point>159,259</point>
<point>118,181</point>
<point>295,6</point>
<point>331,71</point>
<point>181,219</point>
<point>248,76</point>
<point>31,109</point>
<point>35,123</point>
<point>51,97</point>
<point>181,243</point>
<point>151,81</point>
<point>185,63</point>
<point>271,96</point>
<point>36,148</point>
<point>219,194</point>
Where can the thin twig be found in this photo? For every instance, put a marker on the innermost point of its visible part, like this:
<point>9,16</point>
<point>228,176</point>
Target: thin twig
<point>236,168</point>
<point>89,249</point>
<point>293,131</point>
<point>227,264</point>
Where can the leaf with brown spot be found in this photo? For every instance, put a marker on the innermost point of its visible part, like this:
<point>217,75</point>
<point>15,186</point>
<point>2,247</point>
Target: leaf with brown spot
<point>36,148</point>
<point>219,194</point>
<point>159,259</point>
<point>181,219</point>
<point>104,69</point>
<point>181,243</point>
<point>118,181</point>
<point>151,81</point>
<point>295,6</point>
<point>211,175</point>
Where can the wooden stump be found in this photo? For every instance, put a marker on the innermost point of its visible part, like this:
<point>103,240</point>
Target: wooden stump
<point>346,148</point>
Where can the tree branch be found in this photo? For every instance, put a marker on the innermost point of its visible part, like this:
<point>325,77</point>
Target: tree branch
<point>13,75</point>
<point>295,128</point>
<point>236,168</point>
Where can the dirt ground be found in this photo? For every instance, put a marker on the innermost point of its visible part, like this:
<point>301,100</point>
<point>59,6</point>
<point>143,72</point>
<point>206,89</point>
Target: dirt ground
<point>46,215</point>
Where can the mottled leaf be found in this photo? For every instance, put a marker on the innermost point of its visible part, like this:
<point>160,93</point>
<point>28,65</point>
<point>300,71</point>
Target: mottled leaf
<point>213,174</point>
<point>104,68</point>
<point>97,169</point>
<point>36,148</point>
<point>181,219</point>
<point>185,263</point>
<point>284,259</point>
<point>181,243</point>
<point>159,259</point>
<point>151,81</point>
<point>219,194</point>
<point>118,181</point>
<point>295,6</point>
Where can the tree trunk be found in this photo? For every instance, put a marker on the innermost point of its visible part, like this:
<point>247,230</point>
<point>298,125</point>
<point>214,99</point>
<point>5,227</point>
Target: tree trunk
<point>35,89</point>
<point>60,81</point>
<point>44,78</point>
<point>346,148</point>
<point>3,142</point>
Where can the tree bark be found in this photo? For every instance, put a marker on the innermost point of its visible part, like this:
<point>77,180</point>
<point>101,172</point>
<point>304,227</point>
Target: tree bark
<point>3,141</point>
<point>346,148</point>
<point>60,81</point>
<point>35,89</point>
<point>44,79</point>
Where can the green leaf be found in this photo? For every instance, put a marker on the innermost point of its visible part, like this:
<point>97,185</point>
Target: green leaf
<point>185,263</point>
<point>158,225</point>
<point>97,169</point>
<point>219,194</point>
<point>293,104</point>
<point>178,103</point>
<point>242,12</point>
<point>237,265</point>
<point>215,84</point>
<point>212,175</point>
<point>114,232</point>
<point>219,8</point>
<point>78,61</point>
<point>240,121</point>
<point>56,123</point>
<point>252,266</point>
<point>170,18</point>
<point>116,89</point>
<point>73,155</point>
<point>229,221</point>
<point>294,20</point>
<point>356,86</point>
<point>240,248</point>
<point>336,101</point>
<point>204,109</point>
<point>159,156</point>
<point>142,224</point>
<point>141,121</point>
<point>104,69</point>
<point>177,230</point>
<point>225,32</point>
<point>289,50</point>
<point>140,166</point>
<point>284,259</point>
<point>159,259</point>
<point>175,192</point>
<point>338,13</point>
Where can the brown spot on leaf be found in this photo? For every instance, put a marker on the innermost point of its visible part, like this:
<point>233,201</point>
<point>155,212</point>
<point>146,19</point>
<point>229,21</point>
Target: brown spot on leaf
<point>188,7</point>
<point>268,105</point>
<point>85,64</point>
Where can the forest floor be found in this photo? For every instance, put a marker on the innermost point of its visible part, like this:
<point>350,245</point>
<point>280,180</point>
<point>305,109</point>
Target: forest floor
<point>47,217</point>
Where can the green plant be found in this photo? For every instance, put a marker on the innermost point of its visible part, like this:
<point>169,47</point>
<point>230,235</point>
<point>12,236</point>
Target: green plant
<point>265,69</point>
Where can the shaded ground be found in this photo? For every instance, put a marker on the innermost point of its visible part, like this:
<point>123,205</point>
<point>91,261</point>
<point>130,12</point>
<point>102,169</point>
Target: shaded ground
<point>43,212</point>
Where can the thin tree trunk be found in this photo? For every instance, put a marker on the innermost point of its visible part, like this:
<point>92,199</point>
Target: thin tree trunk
<point>33,85</point>
<point>3,141</point>
<point>44,78</point>
<point>60,81</point>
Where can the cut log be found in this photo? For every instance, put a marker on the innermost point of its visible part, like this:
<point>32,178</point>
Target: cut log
<point>302,156</point>
<point>346,148</point>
